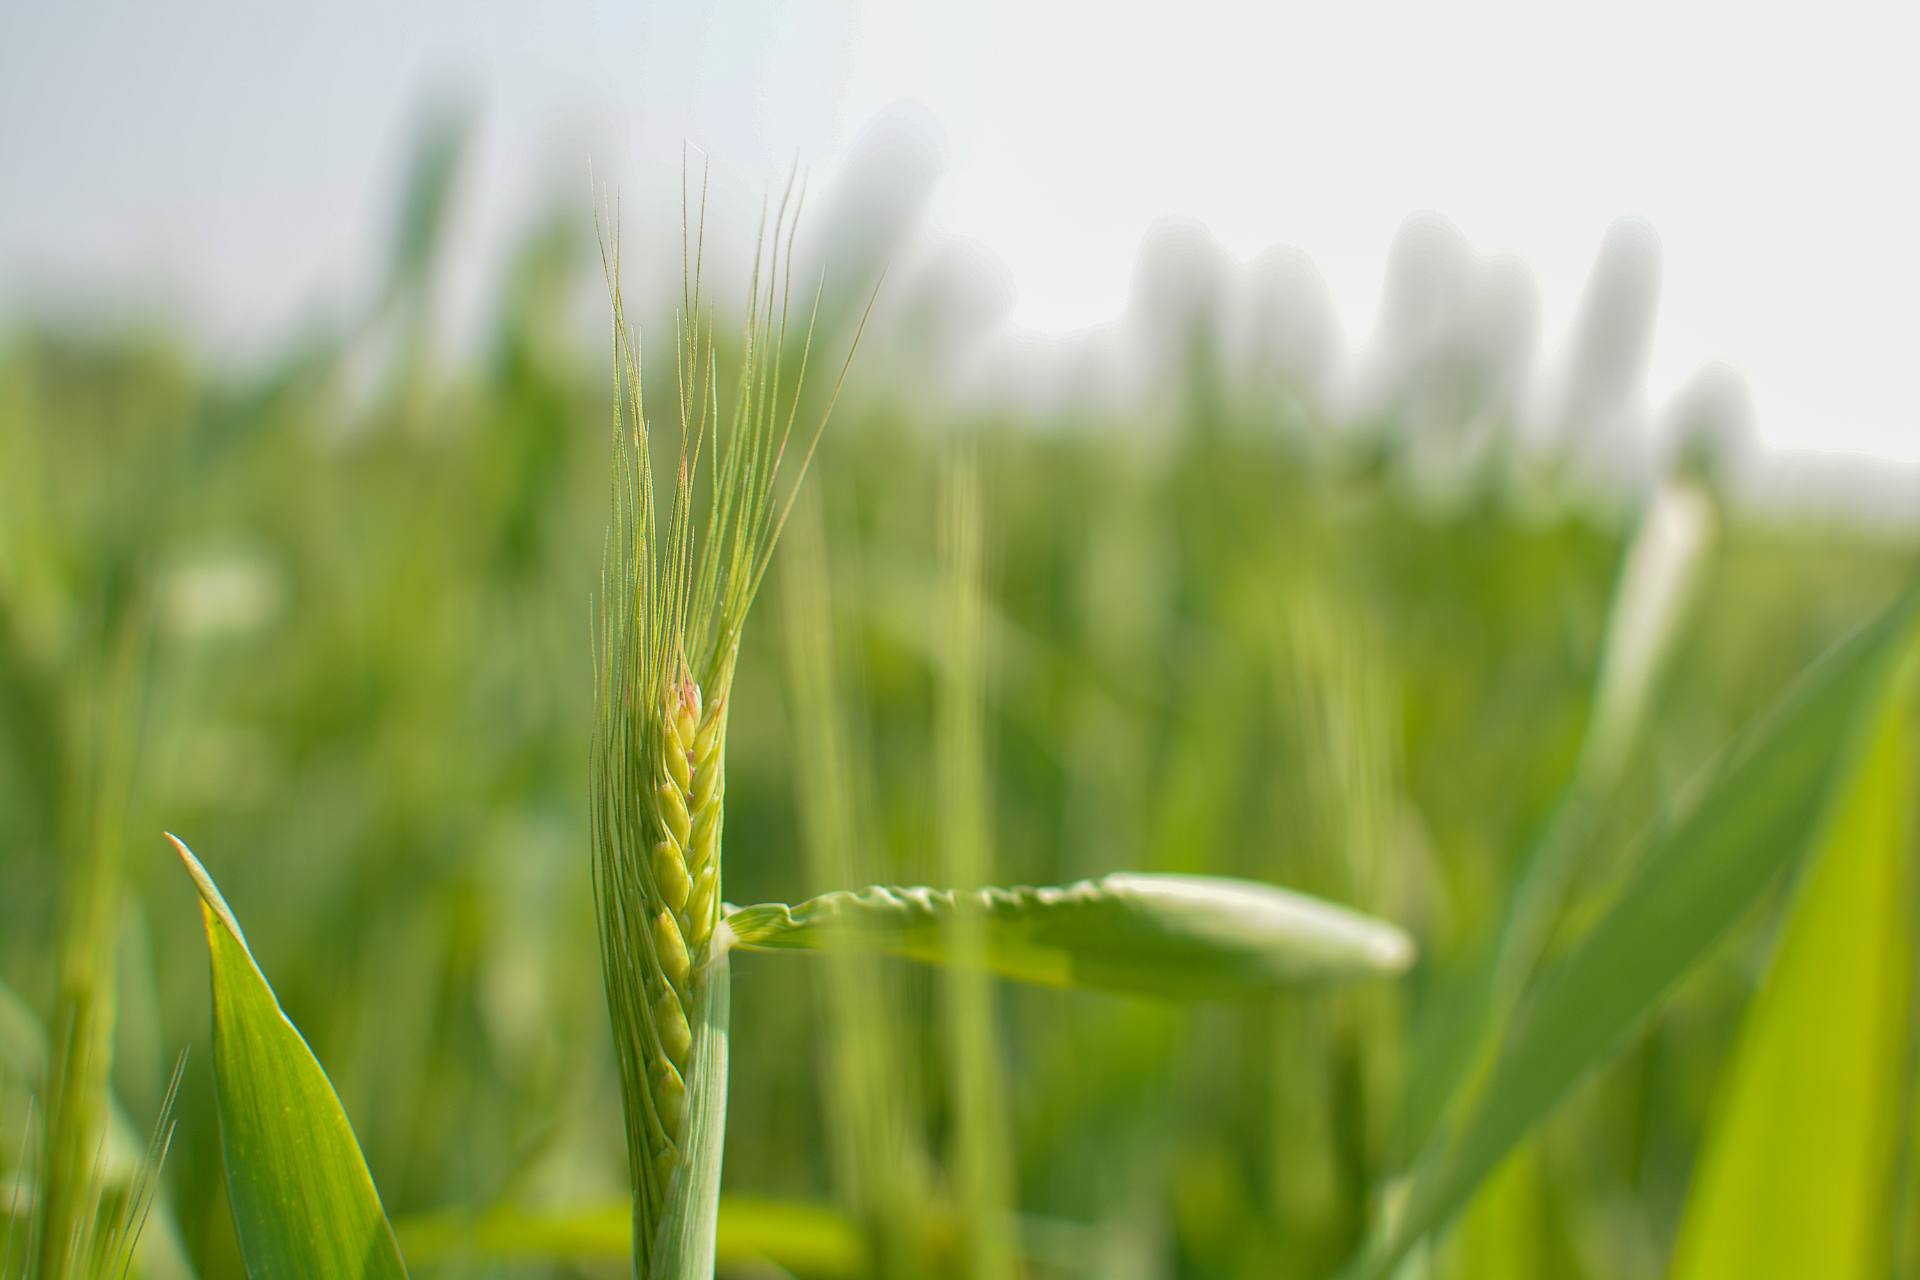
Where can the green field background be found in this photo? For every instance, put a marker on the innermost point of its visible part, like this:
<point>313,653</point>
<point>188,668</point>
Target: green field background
<point>325,614</point>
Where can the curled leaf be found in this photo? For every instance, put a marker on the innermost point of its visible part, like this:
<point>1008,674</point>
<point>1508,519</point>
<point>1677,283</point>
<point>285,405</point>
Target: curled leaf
<point>1183,937</point>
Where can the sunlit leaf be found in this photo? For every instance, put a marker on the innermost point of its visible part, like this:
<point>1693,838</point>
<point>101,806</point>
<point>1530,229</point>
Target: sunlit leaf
<point>1754,820</point>
<point>1797,1174</point>
<point>1163,935</point>
<point>304,1204</point>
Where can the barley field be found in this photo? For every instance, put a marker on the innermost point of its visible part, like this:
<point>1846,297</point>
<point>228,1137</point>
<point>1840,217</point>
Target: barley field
<point>1312,836</point>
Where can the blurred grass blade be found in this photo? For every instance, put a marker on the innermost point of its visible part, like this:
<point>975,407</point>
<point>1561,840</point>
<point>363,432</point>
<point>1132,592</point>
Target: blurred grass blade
<point>810,1240</point>
<point>304,1204</point>
<point>1162,935</point>
<point>1760,812</point>
<point>1658,582</point>
<point>982,1158</point>
<point>872,1114</point>
<point>127,1164</point>
<point>92,871</point>
<point>1652,597</point>
<point>431,179</point>
<point>1797,1174</point>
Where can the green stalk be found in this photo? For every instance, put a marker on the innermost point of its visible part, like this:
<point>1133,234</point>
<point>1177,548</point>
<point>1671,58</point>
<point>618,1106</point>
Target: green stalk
<point>984,1163</point>
<point>82,1051</point>
<point>877,1159</point>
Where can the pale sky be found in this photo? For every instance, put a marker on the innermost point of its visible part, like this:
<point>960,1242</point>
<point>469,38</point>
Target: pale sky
<point>237,163</point>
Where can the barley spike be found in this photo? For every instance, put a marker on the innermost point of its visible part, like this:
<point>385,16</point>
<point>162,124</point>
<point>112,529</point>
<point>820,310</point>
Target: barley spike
<point>684,557</point>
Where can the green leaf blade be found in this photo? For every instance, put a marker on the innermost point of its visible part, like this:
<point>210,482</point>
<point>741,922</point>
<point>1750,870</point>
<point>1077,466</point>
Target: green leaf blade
<point>1817,1074</point>
<point>1174,936</point>
<point>1753,822</point>
<point>304,1204</point>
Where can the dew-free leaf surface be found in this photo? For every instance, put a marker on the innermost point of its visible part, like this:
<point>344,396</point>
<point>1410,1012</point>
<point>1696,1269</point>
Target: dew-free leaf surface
<point>1184,937</point>
<point>304,1205</point>
<point>1798,1172</point>
<point>1754,820</point>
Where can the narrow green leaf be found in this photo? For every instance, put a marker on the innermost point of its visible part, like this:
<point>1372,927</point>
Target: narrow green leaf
<point>1755,819</point>
<point>983,1163</point>
<point>1504,1236</point>
<point>1186,937</point>
<point>1817,1077</point>
<point>431,179</point>
<point>871,1118</point>
<point>126,1165</point>
<point>809,1240</point>
<point>304,1204</point>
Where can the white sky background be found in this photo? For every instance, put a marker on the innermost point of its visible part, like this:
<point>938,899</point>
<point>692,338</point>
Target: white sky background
<point>239,165</point>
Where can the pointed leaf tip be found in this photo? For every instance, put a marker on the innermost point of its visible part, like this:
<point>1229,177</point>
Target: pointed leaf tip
<point>210,897</point>
<point>304,1203</point>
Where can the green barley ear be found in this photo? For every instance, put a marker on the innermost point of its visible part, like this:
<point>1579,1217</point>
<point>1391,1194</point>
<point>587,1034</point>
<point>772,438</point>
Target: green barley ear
<point>677,582</point>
